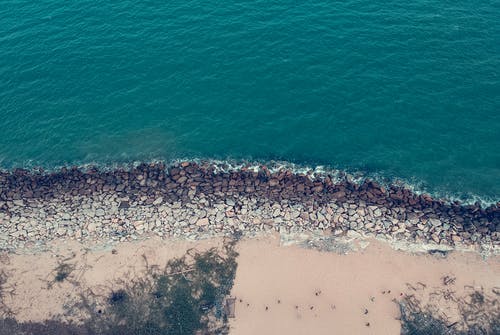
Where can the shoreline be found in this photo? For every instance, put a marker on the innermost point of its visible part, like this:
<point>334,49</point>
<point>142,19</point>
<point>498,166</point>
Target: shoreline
<point>229,165</point>
<point>191,200</point>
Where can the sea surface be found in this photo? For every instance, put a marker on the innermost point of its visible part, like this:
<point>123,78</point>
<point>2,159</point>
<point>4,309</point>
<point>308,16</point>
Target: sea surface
<point>395,90</point>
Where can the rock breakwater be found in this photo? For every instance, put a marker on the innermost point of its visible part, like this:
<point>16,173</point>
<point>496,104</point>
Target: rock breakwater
<point>191,199</point>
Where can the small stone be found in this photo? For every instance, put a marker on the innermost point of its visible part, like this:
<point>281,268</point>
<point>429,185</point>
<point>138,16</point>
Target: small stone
<point>435,222</point>
<point>219,216</point>
<point>318,188</point>
<point>339,194</point>
<point>124,204</point>
<point>61,231</point>
<point>273,182</point>
<point>138,225</point>
<point>369,225</point>
<point>353,234</point>
<point>338,232</point>
<point>256,221</point>
<point>202,222</point>
<point>16,233</point>
<point>158,201</point>
<point>91,227</point>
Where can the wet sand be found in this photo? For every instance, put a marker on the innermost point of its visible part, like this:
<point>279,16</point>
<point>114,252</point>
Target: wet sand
<point>283,289</point>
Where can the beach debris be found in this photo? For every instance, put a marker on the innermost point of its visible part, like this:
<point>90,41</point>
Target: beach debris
<point>448,280</point>
<point>230,307</point>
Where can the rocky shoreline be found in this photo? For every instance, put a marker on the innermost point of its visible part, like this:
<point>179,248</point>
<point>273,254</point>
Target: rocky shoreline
<point>192,200</point>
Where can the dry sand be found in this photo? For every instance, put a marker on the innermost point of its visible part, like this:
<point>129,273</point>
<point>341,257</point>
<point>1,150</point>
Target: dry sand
<point>38,297</point>
<point>283,289</point>
<point>291,290</point>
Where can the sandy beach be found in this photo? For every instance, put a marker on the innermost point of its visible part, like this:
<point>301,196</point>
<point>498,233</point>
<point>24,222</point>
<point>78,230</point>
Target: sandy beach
<point>278,289</point>
<point>291,290</point>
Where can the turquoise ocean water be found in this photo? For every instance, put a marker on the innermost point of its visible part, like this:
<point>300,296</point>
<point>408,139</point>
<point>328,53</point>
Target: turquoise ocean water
<point>404,90</point>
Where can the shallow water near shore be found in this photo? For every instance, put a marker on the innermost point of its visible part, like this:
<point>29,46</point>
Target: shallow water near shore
<point>396,90</point>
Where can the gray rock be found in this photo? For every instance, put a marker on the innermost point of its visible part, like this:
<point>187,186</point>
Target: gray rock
<point>273,182</point>
<point>120,187</point>
<point>435,222</point>
<point>91,227</point>
<point>158,201</point>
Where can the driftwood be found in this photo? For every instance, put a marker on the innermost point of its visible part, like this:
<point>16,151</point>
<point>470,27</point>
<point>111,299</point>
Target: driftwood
<point>230,307</point>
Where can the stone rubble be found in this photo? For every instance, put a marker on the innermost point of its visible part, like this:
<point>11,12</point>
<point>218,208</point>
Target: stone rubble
<point>194,200</point>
